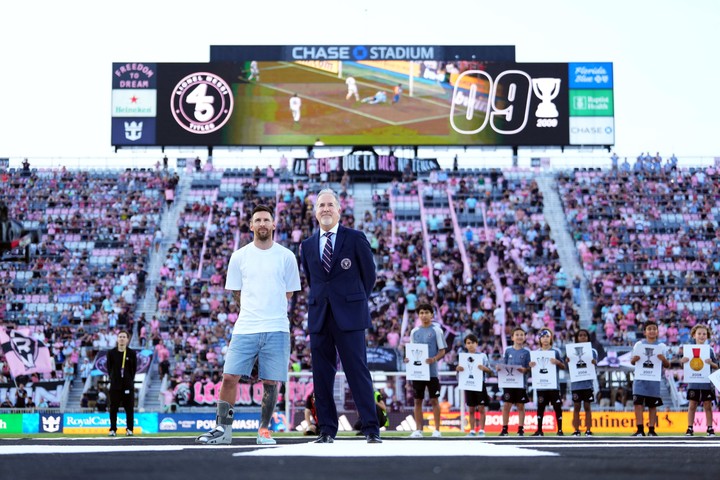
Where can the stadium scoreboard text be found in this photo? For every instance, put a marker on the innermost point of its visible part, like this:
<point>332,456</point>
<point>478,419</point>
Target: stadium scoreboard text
<point>424,101</point>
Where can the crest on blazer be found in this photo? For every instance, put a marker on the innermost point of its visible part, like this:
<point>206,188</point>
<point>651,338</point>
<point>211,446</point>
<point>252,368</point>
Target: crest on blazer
<point>345,263</point>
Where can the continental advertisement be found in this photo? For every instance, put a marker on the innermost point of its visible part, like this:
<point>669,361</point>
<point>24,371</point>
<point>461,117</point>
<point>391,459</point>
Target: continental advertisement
<point>602,422</point>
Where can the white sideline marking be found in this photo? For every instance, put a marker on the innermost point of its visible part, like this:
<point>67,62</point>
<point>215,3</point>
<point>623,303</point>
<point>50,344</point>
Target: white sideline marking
<point>35,449</point>
<point>406,448</point>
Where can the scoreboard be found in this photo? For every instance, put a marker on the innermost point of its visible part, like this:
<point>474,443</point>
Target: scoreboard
<point>399,102</point>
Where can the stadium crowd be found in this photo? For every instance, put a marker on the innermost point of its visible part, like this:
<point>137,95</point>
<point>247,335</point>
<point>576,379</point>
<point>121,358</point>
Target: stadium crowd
<point>474,243</point>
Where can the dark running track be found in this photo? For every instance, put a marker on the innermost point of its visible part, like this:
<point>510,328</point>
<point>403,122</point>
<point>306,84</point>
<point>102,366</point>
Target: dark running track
<point>453,458</point>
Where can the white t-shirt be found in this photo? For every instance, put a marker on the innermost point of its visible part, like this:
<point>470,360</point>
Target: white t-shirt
<point>295,103</point>
<point>263,277</point>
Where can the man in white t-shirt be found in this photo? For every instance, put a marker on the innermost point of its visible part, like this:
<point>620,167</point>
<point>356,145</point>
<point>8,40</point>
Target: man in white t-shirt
<point>352,89</point>
<point>295,104</point>
<point>262,276</point>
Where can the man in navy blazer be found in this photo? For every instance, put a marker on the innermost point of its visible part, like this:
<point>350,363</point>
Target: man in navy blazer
<point>341,277</point>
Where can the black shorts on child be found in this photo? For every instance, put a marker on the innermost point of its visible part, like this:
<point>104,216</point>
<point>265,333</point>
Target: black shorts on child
<point>646,401</point>
<point>549,397</point>
<point>698,395</point>
<point>583,395</point>
<point>475,399</point>
<point>515,395</point>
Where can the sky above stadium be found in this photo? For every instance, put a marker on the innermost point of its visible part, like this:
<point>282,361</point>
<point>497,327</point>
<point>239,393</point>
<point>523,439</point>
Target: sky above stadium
<point>57,57</point>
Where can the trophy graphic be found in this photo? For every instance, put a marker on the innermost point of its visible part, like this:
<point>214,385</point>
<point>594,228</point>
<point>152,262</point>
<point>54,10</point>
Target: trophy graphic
<point>416,356</point>
<point>580,363</point>
<point>543,362</point>
<point>546,89</point>
<point>470,362</point>
<point>696,362</point>
<point>648,363</point>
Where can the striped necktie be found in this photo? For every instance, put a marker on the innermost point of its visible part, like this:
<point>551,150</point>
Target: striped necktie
<point>327,252</point>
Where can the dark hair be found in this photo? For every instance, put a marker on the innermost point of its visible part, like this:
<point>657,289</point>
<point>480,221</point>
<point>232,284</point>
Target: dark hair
<point>129,335</point>
<point>424,306</point>
<point>472,337</point>
<point>577,334</point>
<point>516,329</point>
<point>263,208</point>
<point>649,323</point>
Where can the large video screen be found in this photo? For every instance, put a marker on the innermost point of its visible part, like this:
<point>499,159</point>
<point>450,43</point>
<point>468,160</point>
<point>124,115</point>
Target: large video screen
<point>388,102</point>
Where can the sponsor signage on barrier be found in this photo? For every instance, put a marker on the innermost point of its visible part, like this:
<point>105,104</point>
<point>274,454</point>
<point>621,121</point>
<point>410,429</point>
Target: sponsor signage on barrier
<point>51,423</point>
<point>83,423</point>
<point>11,423</point>
<point>201,422</point>
<point>624,422</point>
<point>603,422</point>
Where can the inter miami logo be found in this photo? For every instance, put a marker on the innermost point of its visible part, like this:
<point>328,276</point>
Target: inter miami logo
<point>201,103</point>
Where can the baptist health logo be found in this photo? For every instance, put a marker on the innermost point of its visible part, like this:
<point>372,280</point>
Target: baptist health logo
<point>51,424</point>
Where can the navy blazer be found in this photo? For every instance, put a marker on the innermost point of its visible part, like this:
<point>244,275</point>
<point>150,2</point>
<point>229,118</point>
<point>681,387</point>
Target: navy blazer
<point>345,290</point>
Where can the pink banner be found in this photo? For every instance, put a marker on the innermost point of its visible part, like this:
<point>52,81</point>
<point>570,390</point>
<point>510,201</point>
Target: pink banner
<point>24,354</point>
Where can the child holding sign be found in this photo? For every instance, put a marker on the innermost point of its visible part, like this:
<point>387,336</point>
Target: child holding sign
<point>430,334</point>
<point>476,400</point>
<point>548,396</point>
<point>582,391</point>
<point>517,357</point>
<point>701,391</point>
<point>646,392</point>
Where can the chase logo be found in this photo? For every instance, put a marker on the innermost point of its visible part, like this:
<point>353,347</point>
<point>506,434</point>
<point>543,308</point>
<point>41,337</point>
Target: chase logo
<point>360,52</point>
<point>168,425</point>
<point>50,423</point>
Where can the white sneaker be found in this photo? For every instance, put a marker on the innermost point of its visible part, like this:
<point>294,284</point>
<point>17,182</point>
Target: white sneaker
<point>416,434</point>
<point>480,433</point>
<point>436,433</point>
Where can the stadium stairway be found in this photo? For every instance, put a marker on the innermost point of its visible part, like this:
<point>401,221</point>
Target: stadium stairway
<point>75,394</point>
<point>567,251</point>
<point>168,226</point>
<point>152,401</point>
<point>362,196</point>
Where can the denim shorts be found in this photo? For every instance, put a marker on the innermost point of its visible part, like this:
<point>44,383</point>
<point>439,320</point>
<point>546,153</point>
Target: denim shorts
<point>271,349</point>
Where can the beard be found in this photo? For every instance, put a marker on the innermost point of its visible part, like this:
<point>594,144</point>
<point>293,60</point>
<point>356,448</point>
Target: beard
<point>263,235</point>
<point>327,220</point>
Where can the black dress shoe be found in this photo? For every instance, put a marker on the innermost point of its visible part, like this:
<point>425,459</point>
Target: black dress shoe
<point>373,438</point>
<point>324,438</point>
